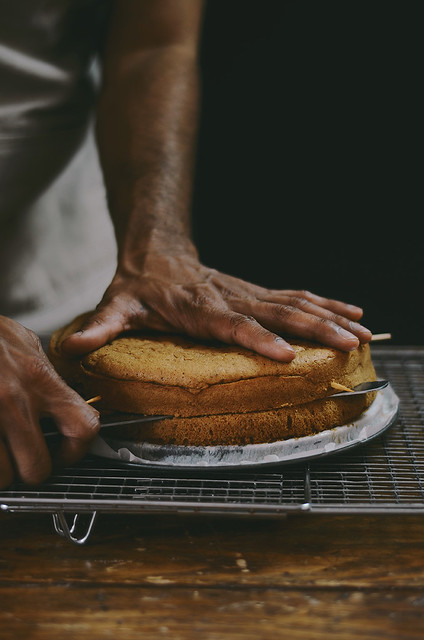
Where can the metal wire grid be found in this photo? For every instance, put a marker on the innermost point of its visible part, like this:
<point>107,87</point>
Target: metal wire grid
<point>386,475</point>
<point>108,488</point>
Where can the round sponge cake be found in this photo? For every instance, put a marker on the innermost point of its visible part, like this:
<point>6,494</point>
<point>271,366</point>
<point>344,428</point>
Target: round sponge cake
<point>217,394</point>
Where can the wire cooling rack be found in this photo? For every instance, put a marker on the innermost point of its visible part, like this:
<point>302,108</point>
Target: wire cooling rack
<point>385,475</point>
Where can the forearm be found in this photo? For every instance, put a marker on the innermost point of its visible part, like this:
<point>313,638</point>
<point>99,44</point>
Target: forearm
<point>147,121</point>
<point>146,128</point>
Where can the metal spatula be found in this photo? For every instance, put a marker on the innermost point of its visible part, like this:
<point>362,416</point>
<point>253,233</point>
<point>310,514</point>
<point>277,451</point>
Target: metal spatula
<point>115,419</point>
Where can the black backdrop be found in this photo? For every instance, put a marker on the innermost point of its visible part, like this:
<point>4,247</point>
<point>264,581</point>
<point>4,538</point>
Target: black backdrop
<point>310,152</point>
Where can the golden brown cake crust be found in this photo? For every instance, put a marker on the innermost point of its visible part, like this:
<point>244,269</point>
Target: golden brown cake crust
<point>166,374</point>
<point>248,428</point>
<point>218,394</point>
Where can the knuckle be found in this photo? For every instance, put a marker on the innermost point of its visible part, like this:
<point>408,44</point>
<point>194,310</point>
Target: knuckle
<point>278,310</point>
<point>199,295</point>
<point>37,367</point>
<point>301,294</point>
<point>87,427</point>
<point>99,322</point>
<point>322,326</point>
<point>230,325</point>
<point>299,302</point>
<point>10,394</point>
<point>6,394</point>
<point>238,320</point>
<point>95,321</point>
<point>198,301</point>
<point>247,325</point>
<point>335,319</point>
<point>287,310</point>
<point>37,342</point>
<point>321,321</point>
<point>134,311</point>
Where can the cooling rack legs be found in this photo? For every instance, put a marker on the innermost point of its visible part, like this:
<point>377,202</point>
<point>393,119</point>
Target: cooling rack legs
<point>70,532</point>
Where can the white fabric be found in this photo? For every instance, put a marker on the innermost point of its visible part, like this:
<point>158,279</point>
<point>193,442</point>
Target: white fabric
<point>57,247</point>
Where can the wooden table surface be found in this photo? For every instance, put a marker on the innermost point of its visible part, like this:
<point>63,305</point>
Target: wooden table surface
<point>205,577</point>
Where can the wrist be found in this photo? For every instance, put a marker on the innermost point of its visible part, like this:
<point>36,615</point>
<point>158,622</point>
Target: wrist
<point>144,255</point>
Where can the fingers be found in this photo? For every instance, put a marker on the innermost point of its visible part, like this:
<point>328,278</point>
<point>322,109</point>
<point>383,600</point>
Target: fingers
<point>97,331</point>
<point>352,312</point>
<point>23,451</point>
<point>286,313</point>
<point>318,328</point>
<point>30,388</point>
<point>236,328</point>
<point>78,423</point>
<point>233,288</point>
<point>309,321</point>
<point>296,313</point>
<point>110,319</point>
<point>246,331</point>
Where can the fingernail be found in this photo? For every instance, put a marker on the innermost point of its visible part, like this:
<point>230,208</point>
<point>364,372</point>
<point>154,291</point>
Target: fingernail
<point>346,334</point>
<point>285,345</point>
<point>286,351</point>
<point>360,328</point>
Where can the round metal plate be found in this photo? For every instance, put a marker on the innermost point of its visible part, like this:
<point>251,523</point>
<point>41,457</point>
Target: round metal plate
<point>374,421</point>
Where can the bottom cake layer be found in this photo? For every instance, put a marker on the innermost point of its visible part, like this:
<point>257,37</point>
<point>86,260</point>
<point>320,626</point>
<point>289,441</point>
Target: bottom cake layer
<point>249,428</point>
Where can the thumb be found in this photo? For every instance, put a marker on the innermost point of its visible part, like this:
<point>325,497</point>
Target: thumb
<point>100,328</point>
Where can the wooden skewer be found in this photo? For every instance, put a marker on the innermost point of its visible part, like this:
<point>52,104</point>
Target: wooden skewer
<point>91,400</point>
<point>381,336</point>
<point>340,387</point>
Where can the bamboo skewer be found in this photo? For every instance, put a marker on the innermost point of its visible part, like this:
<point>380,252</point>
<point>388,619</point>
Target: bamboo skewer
<point>381,336</point>
<point>339,387</point>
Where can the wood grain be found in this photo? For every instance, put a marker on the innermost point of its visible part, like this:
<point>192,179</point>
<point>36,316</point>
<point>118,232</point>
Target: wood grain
<point>190,614</point>
<point>190,577</point>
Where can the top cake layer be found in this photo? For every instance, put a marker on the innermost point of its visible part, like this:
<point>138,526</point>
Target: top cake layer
<point>176,375</point>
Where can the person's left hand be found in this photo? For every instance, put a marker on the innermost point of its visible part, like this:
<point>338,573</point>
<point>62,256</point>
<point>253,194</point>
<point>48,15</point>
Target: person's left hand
<point>179,294</point>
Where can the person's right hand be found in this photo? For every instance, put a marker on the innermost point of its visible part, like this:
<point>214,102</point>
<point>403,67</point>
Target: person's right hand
<point>31,389</point>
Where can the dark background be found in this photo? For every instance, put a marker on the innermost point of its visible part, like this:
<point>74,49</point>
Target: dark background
<point>310,152</point>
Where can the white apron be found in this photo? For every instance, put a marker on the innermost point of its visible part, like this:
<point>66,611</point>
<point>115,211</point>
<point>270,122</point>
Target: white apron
<point>57,247</point>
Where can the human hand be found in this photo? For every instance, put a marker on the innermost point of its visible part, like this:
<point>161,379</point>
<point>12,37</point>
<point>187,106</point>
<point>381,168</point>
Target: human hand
<point>30,389</point>
<point>179,294</point>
